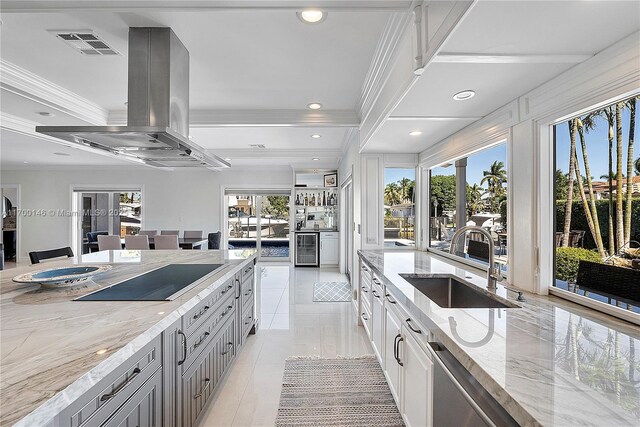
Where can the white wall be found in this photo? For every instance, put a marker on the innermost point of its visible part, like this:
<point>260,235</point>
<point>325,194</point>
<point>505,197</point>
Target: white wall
<point>171,199</point>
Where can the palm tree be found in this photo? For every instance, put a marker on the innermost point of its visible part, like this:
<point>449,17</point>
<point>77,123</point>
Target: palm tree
<point>404,184</point>
<point>475,203</point>
<point>608,113</point>
<point>619,176</point>
<point>594,223</point>
<point>392,194</point>
<point>494,178</point>
<point>572,167</point>
<point>631,105</point>
<point>636,166</point>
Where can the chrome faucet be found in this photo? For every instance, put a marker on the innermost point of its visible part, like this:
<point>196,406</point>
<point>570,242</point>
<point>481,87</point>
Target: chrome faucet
<point>493,273</point>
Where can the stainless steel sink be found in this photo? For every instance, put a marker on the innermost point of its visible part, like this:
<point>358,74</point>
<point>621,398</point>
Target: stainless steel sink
<point>448,292</point>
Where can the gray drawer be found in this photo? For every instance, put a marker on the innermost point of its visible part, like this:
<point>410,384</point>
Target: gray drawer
<point>199,381</point>
<point>248,321</point>
<point>247,291</point>
<point>102,401</point>
<point>247,271</point>
<point>144,409</point>
<point>192,320</point>
<point>199,340</point>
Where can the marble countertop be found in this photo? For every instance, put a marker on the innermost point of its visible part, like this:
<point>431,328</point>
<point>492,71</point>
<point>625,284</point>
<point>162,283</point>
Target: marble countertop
<point>550,362</point>
<point>53,349</point>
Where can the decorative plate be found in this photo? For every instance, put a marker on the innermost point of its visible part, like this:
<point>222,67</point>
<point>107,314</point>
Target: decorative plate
<point>63,276</point>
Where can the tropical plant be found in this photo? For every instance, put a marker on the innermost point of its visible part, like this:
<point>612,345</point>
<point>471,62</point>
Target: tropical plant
<point>619,208</point>
<point>443,191</point>
<point>392,194</point>
<point>572,167</point>
<point>631,105</point>
<point>475,203</point>
<point>608,113</point>
<point>404,185</point>
<point>494,178</point>
<point>636,166</point>
<point>568,259</point>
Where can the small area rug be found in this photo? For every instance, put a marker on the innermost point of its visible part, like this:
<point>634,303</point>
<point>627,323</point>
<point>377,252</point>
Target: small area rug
<point>331,292</point>
<point>336,392</point>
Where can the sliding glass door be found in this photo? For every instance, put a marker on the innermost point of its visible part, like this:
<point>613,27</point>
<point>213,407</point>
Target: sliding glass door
<point>259,220</point>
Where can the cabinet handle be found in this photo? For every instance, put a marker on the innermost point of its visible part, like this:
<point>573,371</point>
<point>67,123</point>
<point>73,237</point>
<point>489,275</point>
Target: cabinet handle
<point>207,381</point>
<point>364,289</point>
<point>248,292</point>
<point>389,299</point>
<point>184,348</point>
<point>117,390</point>
<point>229,308</point>
<point>226,290</point>
<point>249,321</point>
<point>375,294</point>
<point>230,345</point>
<point>204,337</point>
<point>364,317</point>
<point>203,311</point>
<point>417,331</point>
<point>397,349</point>
<point>376,281</point>
<point>365,269</point>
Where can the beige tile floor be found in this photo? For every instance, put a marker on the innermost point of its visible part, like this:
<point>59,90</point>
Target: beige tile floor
<point>291,325</point>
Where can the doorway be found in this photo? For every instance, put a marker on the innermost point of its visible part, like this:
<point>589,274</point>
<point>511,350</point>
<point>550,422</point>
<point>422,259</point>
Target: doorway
<point>259,220</point>
<point>347,202</point>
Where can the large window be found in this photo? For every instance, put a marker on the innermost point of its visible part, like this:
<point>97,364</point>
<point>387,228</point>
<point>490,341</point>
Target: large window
<point>597,205</point>
<point>399,207</point>
<point>482,203</point>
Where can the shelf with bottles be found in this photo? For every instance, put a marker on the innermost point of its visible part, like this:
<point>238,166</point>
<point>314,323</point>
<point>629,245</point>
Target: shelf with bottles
<point>316,197</point>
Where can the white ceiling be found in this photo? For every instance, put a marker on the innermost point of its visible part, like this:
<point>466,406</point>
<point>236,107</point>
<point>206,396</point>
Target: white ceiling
<point>519,29</point>
<point>262,60</point>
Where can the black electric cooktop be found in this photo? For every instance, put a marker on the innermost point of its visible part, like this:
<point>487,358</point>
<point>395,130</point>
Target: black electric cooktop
<point>162,284</point>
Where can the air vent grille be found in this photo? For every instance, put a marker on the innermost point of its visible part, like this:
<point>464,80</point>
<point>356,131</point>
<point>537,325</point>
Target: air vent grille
<point>85,41</point>
<point>259,146</point>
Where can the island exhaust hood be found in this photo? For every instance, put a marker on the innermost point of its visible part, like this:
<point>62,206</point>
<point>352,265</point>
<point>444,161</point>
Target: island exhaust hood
<point>157,131</point>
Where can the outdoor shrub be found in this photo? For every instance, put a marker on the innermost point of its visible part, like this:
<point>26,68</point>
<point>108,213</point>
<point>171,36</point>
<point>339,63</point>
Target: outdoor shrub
<point>567,260</point>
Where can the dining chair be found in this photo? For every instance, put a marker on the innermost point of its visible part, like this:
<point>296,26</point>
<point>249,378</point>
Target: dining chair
<point>214,240</point>
<point>148,232</point>
<point>37,256</point>
<point>109,243</point>
<point>193,234</point>
<point>170,232</point>
<point>136,242</point>
<point>169,241</point>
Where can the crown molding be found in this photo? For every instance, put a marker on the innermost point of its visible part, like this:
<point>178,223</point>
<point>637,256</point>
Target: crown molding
<point>346,140</point>
<point>260,118</point>
<point>476,58</point>
<point>28,85</point>
<point>274,153</point>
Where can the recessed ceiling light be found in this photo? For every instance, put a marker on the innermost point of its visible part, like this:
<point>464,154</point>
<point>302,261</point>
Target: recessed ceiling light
<point>464,95</point>
<point>315,159</point>
<point>46,114</point>
<point>228,159</point>
<point>312,16</point>
<point>415,132</point>
<point>161,312</point>
<point>315,135</point>
<point>100,352</point>
<point>25,163</point>
<point>62,154</point>
<point>314,106</point>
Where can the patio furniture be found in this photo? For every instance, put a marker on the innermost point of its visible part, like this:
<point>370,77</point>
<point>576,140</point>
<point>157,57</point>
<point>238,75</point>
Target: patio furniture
<point>109,243</point>
<point>214,240</point>
<point>92,237</point>
<point>193,234</point>
<point>166,242</point>
<point>170,232</point>
<point>478,250</point>
<point>37,256</point>
<point>558,239</point>
<point>576,238</point>
<point>136,242</point>
<point>612,281</point>
<point>148,233</point>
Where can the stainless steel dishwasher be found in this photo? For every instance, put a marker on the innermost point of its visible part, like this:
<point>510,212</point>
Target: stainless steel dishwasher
<point>458,399</point>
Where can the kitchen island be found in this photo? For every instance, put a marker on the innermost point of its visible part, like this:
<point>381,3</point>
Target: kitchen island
<point>546,361</point>
<point>56,352</point>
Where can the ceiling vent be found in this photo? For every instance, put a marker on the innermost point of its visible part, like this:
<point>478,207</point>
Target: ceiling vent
<point>260,146</point>
<point>85,41</point>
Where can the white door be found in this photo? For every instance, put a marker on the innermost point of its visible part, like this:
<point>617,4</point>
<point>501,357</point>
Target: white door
<point>329,248</point>
<point>390,365</point>
<point>417,382</point>
<point>377,328</point>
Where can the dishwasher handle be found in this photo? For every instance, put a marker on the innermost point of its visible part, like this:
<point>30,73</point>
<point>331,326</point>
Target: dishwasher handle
<point>434,348</point>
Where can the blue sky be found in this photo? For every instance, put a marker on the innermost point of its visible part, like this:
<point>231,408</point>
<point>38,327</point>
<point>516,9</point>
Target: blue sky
<point>597,146</point>
<point>477,163</point>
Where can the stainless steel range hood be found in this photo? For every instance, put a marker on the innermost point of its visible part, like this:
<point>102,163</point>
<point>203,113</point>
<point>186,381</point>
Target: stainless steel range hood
<point>157,131</point>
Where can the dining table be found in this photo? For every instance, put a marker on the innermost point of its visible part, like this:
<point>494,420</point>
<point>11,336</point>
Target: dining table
<point>183,243</point>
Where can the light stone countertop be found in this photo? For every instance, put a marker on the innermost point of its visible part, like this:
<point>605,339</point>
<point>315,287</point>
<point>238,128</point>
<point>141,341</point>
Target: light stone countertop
<point>49,343</point>
<point>551,362</point>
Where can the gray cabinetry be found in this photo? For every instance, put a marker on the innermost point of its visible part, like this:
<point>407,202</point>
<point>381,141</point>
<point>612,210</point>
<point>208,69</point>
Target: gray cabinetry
<point>144,409</point>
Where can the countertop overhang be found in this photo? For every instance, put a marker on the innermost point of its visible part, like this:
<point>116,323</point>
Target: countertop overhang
<point>55,349</point>
<point>532,359</point>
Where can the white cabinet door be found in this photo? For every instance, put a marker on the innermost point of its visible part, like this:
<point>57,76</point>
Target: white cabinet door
<point>377,325</point>
<point>329,247</point>
<point>391,366</point>
<point>417,382</point>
